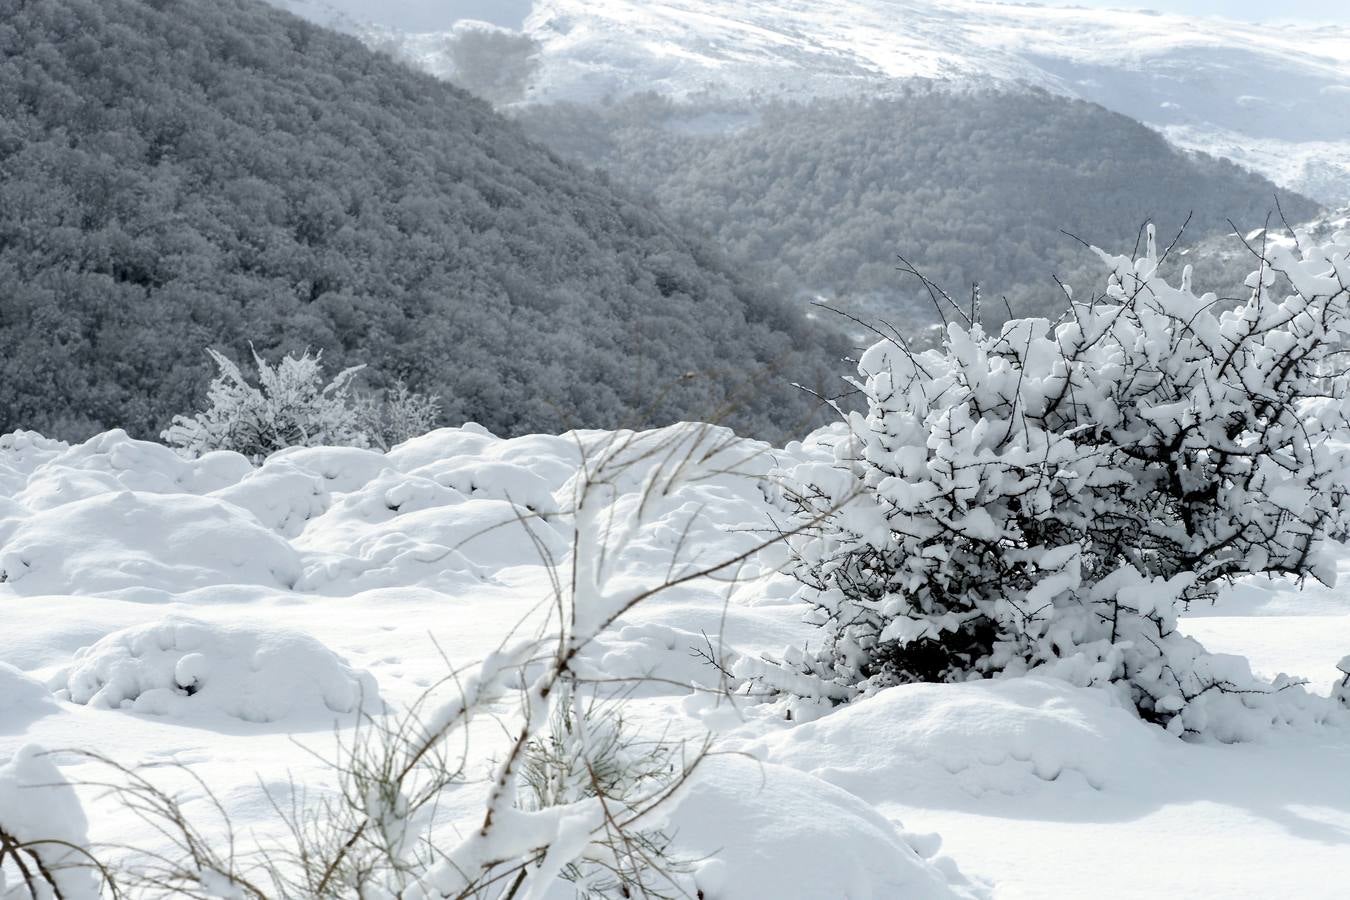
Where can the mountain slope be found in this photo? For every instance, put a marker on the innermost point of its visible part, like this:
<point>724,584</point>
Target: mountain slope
<point>1276,98</point>
<point>177,174</point>
<point>1273,98</point>
<point>969,186</point>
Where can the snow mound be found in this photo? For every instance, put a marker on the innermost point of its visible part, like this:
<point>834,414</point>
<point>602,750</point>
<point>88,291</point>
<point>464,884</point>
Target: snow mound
<point>21,452</point>
<point>112,461</point>
<point>344,469</point>
<point>494,480</point>
<point>470,439</point>
<point>183,667</point>
<point>22,700</point>
<point>435,546</point>
<point>1004,736</point>
<point>126,540</point>
<point>39,807</point>
<point>820,840</point>
<point>527,470</point>
<point>656,657</point>
<point>390,494</point>
<point>280,495</point>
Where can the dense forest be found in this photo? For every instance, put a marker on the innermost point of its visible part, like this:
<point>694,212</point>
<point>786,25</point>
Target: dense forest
<point>967,185</point>
<point>184,174</point>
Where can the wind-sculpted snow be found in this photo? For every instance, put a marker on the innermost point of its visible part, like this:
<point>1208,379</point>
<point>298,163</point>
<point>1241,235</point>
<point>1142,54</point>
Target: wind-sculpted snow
<point>113,461</point>
<point>212,613</point>
<point>139,541</point>
<point>1010,737</point>
<point>22,700</point>
<point>739,807</point>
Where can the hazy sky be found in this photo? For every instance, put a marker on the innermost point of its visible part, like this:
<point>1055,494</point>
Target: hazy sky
<point>1253,10</point>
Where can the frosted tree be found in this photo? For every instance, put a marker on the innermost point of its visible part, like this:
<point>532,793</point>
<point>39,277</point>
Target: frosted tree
<point>396,414</point>
<point>290,406</point>
<point>1052,495</point>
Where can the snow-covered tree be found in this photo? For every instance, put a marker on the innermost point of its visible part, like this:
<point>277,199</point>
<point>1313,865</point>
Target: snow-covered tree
<point>1052,495</point>
<point>291,406</point>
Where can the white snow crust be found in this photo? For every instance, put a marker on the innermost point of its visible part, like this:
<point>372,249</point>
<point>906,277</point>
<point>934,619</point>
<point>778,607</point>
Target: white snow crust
<point>224,616</point>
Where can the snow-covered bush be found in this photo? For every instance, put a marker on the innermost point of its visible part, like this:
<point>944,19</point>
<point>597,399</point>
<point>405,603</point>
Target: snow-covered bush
<point>1053,494</point>
<point>398,414</point>
<point>290,406</point>
<point>183,667</point>
<point>43,833</point>
<point>588,752</point>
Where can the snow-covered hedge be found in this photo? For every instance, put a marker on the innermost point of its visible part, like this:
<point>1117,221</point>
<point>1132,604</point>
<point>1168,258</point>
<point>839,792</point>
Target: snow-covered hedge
<point>1053,494</point>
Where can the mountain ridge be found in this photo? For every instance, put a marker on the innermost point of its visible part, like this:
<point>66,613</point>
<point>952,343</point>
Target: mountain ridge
<point>1274,98</point>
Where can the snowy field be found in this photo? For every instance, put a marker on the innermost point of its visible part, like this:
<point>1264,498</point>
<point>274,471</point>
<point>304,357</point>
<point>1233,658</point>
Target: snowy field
<point>225,617</point>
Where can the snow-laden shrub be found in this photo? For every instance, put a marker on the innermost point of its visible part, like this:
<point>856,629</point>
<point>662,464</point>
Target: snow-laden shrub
<point>290,406</point>
<point>183,667</point>
<point>1052,494</point>
<point>398,414</point>
<point>588,752</point>
<point>43,833</point>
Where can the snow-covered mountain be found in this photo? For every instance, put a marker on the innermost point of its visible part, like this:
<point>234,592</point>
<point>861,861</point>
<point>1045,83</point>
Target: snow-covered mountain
<point>1274,98</point>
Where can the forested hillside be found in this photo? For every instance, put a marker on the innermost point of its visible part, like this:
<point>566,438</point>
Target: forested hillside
<point>968,186</point>
<point>181,174</point>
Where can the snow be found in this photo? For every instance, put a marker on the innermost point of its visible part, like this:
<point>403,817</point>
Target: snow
<point>39,809</point>
<point>22,699</point>
<point>290,595</point>
<point>1244,91</point>
<point>141,542</point>
<point>740,807</point>
<point>1004,737</point>
<point>1271,97</point>
<point>182,667</point>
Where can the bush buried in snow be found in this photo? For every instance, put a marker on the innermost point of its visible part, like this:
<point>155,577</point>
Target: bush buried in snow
<point>1053,494</point>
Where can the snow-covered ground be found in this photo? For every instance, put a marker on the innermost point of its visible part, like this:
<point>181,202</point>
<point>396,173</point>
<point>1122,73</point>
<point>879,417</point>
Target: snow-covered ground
<point>210,613</point>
